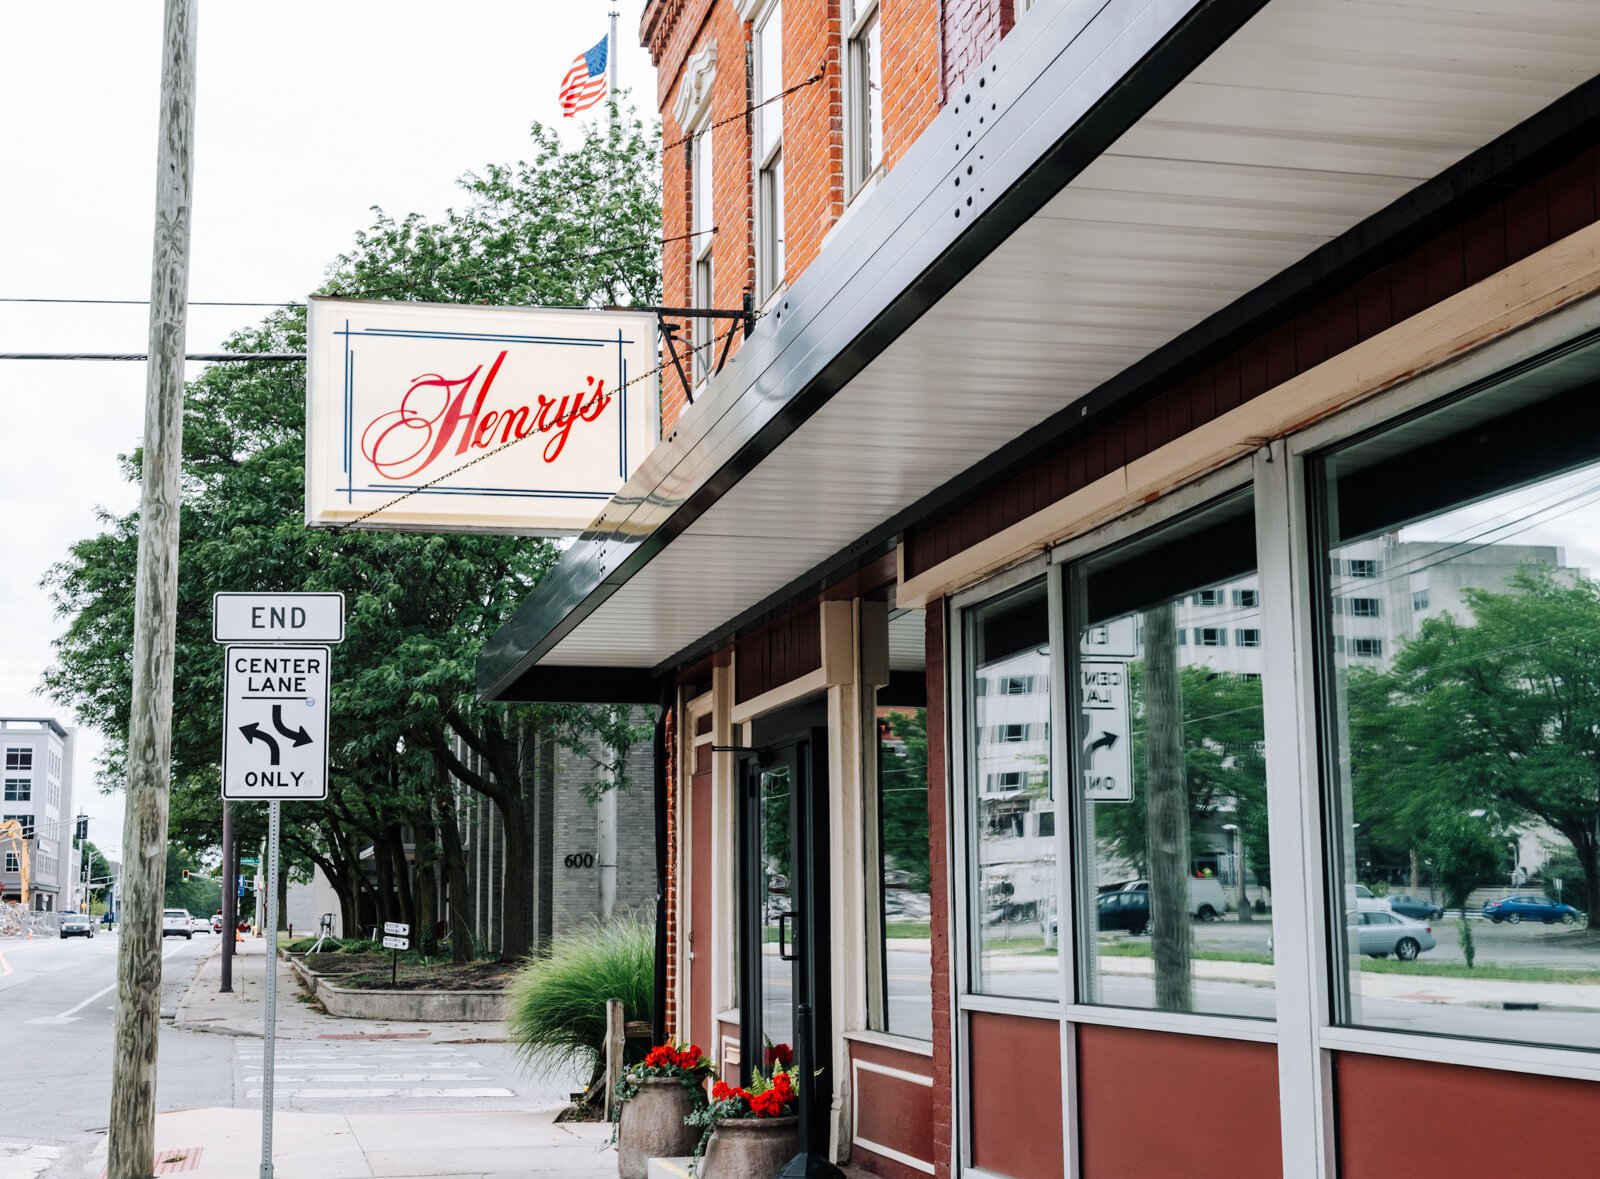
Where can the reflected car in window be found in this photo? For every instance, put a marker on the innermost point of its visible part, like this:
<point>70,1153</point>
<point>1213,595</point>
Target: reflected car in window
<point>1123,910</point>
<point>1529,908</point>
<point>1417,908</point>
<point>1378,934</point>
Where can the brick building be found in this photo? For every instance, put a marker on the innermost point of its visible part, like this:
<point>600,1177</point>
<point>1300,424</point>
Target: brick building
<point>1136,305</point>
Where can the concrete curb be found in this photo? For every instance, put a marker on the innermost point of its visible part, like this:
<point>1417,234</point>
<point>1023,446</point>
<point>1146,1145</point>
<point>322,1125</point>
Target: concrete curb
<point>418,1006</point>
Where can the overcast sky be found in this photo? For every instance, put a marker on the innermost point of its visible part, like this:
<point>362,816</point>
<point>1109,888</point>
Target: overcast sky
<point>308,114</point>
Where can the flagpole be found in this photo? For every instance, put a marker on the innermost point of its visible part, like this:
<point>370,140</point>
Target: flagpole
<point>612,71</point>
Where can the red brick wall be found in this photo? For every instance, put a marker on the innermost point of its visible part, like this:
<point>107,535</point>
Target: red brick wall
<point>939,888</point>
<point>972,28</point>
<point>813,136</point>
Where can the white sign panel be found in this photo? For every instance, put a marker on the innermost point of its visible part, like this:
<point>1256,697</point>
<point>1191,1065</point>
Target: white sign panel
<point>277,618</point>
<point>1107,755</point>
<point>396,943</point>
<point>398,928</point>
<point>1117,639</point>
<point>275,723</point>
<point>496,419</point>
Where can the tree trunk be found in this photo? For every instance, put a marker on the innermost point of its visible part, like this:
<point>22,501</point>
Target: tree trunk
<point>514,938</point>
<point>455,867</point>
<point>283,893</point>
<point>388,908</point>
<point>402,877</point>
<point>427,892</point>
<point>1416,872</point>
<point>1166,812</point>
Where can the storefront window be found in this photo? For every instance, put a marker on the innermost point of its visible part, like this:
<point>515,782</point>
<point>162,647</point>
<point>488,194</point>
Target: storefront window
<point>1012,862</point>
<point>1174,878</point>
<point>904,872</point>
<point>1460,651</point>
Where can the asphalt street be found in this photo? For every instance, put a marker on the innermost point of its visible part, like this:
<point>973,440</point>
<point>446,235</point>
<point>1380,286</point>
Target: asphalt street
<point>57,1000</point>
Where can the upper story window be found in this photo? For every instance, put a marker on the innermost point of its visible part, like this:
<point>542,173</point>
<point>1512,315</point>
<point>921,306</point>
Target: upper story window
<point>19,758</point>
<point>700,222</point>
<point>863,93</point>
<point>768,149</point>
<point>1210,597</point>
<point>19,790</point>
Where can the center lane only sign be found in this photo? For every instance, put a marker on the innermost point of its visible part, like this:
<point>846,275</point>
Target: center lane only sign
<point>275,724</point>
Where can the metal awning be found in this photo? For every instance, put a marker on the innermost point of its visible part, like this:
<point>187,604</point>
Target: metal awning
<point>1070,226</point>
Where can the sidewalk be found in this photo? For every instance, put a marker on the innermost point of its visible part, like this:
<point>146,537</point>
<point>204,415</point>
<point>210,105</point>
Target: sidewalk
<point>226,1144</point>
<point>204,1009</point>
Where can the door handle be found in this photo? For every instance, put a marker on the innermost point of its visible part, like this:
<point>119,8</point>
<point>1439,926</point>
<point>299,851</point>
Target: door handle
<point>783,943</point>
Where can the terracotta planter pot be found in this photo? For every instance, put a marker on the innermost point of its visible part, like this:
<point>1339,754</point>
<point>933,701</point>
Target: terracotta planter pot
<point>651,1126</point>
<point>749,1148</point>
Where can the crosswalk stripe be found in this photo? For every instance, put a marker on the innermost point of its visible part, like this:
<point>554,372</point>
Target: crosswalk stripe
<point>330,1094</point>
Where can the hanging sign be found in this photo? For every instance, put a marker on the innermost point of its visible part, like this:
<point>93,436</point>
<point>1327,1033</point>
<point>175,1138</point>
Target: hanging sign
<point>495,419</point>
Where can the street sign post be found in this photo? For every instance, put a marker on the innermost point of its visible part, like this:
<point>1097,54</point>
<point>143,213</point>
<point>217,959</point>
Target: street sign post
<point>274,743</point>
<point>396,937</point>
<point>275,724</point>
<point>1107,754</point>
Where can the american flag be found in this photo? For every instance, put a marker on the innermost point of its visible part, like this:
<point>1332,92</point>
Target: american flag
<point>585,83</point>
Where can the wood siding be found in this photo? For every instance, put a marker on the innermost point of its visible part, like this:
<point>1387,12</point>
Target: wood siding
<point>783,650</point>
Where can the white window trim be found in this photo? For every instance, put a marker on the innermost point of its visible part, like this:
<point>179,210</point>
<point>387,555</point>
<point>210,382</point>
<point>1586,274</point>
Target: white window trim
<point>763,154</point>
<point>854,118</point>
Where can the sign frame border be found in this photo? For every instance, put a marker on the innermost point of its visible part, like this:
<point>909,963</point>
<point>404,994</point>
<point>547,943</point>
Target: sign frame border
<point>327,726</point>
<point>219,594</point>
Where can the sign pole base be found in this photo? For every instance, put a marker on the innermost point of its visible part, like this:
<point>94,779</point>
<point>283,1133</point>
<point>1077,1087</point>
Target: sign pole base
<point>269,1039</point>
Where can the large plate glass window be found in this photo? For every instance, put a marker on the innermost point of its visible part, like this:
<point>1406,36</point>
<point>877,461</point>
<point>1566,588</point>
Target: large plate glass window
<point>1011,842</point>
<point>1174,881</point>
<point>1459,622</point>
<point>768,58</point>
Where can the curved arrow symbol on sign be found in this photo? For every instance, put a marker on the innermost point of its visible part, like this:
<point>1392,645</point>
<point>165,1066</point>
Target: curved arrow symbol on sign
<point>1105,740</point>
<point>252,733</point>
<point>298,736</point>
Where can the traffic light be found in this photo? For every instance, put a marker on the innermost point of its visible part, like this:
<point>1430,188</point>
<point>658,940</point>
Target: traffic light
<point>83,827</point>
<point>186,876</point>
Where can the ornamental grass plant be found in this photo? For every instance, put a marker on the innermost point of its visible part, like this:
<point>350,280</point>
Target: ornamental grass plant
<point>556,1011</point>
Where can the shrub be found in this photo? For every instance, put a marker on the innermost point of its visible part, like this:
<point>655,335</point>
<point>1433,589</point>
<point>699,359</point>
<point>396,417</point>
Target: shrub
<point>557,1007</point>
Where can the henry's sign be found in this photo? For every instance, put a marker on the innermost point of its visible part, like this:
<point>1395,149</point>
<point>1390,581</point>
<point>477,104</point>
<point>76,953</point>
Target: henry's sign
<point>498,419</point>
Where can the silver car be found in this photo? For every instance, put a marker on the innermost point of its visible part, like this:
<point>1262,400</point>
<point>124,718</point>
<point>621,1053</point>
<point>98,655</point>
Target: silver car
<point>1379,932</point>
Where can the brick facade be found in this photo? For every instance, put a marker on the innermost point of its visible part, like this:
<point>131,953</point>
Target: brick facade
<point>678,34</point>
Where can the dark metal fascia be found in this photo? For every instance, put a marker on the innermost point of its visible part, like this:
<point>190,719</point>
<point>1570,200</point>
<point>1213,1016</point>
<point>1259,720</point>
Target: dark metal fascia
<point>876,279</point>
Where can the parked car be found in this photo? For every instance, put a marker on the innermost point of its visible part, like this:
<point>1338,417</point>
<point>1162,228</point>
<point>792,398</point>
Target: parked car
<point>76,925</point>
<point>1378,933</point>
<point>1417,908</point>
<point>176,923</point>
<point>1365,899</point>
<point>216,922</point>
<point>1129,910</point>
<point>1530,907</point>
<point>1206,901</point>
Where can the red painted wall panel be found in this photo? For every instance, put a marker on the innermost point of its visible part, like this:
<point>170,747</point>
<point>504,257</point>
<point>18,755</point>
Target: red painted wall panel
<point>891,1111</point>
<point>783,650</point>
<point>1155,1105</point>
<point>1015,1069</point>
<point>939,885</point>
<point>1440,1121</point>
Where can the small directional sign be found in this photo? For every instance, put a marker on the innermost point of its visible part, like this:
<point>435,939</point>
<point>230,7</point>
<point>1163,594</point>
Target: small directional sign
<point>1107,756</point>
<point>391,942</point>
<point>1117,639</point>
<point>398,928</point>
<point>275,724</point>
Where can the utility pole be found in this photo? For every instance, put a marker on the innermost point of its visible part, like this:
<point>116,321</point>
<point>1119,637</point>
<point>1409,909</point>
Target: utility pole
<point>131,1146</point>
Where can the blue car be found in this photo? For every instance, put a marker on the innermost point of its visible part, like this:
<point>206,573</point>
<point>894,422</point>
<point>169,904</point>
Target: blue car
<point>1529,908</point>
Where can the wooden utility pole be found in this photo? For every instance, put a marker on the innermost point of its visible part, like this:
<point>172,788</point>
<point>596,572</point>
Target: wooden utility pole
<point>131,1146</point>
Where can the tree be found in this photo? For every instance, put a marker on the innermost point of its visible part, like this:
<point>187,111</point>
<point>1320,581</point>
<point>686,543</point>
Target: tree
<point>200,896</point>
<point>1166,812</point>
<point>571,227</point>
<point>903,795</point>
<point>1499,715</point>
<point>1464,854</point>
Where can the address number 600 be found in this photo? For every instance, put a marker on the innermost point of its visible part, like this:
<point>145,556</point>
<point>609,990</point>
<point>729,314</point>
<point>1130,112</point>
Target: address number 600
<point>580,860</point>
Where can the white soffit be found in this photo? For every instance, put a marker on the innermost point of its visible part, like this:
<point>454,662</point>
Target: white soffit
<point>1317,114</point>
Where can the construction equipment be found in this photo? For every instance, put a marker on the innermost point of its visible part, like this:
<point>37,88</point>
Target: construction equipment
<point>11,834</point>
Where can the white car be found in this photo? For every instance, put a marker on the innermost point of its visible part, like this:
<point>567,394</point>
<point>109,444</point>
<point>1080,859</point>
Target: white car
<point>1380,933</point>
<point>199,925</point>
<point>176,923</point>
<point>1206,900</point>
<point>1367,902</point>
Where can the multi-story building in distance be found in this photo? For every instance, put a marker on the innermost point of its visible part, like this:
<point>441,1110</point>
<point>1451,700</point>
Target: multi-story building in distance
<point>36,791</point>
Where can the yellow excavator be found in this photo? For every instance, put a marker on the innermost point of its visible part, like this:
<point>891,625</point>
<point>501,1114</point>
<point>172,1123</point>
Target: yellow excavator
<point>11,836</point>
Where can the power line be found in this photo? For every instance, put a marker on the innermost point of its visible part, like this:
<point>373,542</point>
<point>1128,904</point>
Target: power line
<point>403,285</point>
<point>209,357</point>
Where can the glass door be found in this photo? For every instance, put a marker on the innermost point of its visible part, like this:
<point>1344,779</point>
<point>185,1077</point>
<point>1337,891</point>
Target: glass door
<point>784,899</point>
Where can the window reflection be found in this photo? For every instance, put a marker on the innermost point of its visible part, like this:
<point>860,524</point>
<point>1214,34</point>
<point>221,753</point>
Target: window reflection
<point>1011,835</point>
<point>1461,649</point>
<point>1171,750</point>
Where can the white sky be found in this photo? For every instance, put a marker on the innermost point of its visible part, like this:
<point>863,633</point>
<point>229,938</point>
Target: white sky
<point>307,115</point>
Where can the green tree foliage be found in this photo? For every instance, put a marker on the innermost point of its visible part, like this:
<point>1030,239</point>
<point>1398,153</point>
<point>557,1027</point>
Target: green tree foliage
<point>903,791</point>
<point>201,897</point>
<point>1224,760</point>
<point>1497,719</point>
<point>575,226</point>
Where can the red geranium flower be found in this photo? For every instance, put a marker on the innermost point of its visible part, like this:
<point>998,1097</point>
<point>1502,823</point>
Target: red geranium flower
<point>777,1054</point>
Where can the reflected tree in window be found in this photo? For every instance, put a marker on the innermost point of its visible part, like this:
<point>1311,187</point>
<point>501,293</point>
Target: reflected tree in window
<point>1167,812</point>
<point>1497,719</point>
